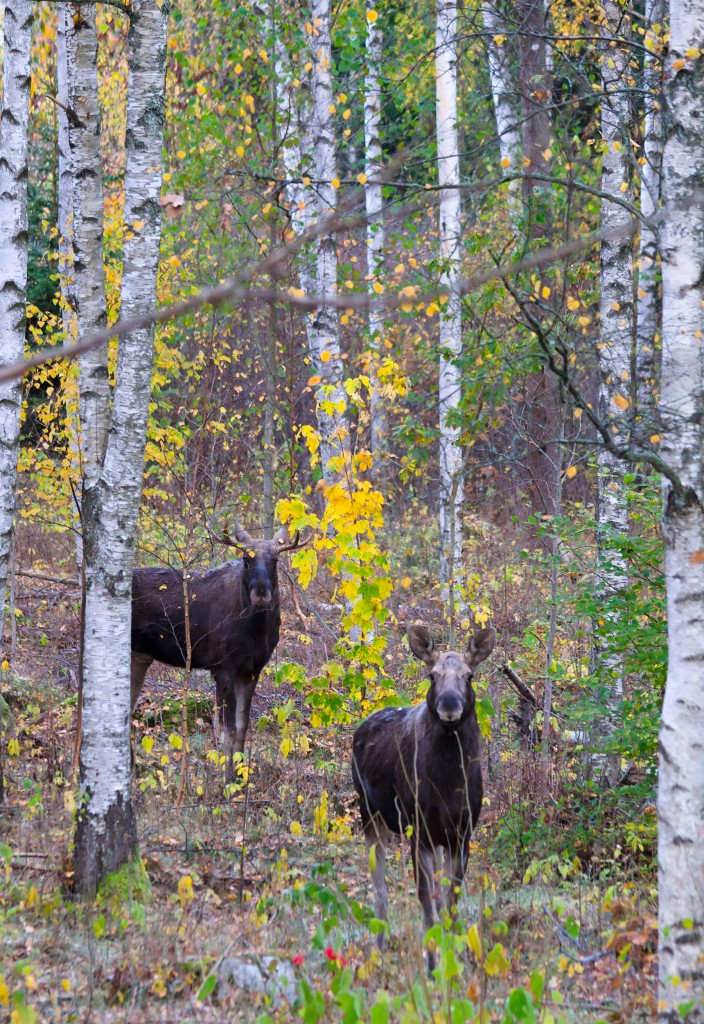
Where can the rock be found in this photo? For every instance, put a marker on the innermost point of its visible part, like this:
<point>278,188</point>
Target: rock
<point>269,975</point>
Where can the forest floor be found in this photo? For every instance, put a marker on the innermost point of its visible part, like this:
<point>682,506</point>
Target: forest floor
<point>279,870</point>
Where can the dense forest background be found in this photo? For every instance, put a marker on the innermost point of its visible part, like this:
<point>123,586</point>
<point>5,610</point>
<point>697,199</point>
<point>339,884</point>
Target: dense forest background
<point>436,357</point>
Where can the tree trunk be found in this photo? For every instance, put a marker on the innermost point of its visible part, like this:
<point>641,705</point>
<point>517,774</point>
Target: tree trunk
<point>649,305</point>
<point>83,131</point>
<point>375,224</point>
<point>323,331</point>
<point>105,832</point>
<point>615,360</point>
<point>449,229</point>
<point>681,773</point>
<point>503,96</point>
<point>13,265</point>
<point>536,94</point>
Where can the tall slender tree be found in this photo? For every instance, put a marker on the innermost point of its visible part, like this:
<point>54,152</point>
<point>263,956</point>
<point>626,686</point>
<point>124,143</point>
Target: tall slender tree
<point>375,217</point>
<point>648,303</point>
<point>105,831</point>
<point>449,230</point>
<point>615,354</point>
<point>681,767</point>
<point>14,127</point>
<point>503,93</point>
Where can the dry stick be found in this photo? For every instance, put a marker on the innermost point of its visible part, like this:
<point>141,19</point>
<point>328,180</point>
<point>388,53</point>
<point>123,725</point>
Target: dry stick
<point>184,707</point>
<point>519,685</point>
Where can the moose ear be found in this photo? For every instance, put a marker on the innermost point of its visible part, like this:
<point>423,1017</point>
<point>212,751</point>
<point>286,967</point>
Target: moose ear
<point>422,644</point>
<point>481,645</point>
<point>282,536</point>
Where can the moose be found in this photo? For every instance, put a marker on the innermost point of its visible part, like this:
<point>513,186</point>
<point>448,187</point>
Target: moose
<point>417,771</point>
<point>226,620</point>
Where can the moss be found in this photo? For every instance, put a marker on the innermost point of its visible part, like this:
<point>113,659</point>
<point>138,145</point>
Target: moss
<point>129,884</point>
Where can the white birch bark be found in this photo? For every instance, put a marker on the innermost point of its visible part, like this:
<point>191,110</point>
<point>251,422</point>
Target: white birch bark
<point>65,225</point>
<point>375,220</point>
<point>681,771</point>
<point>503,96</point>
<point>13,264</point>
<point>106,835</point>
<point>614,351</point>
<point>648,302</point>
<point>449,229</point>
<point>82,127</point>
<point>323,330</point>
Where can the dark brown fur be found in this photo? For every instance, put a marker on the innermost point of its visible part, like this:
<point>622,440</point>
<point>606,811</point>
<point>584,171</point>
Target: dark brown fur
<point>235,616</point>
<point>418,770</point>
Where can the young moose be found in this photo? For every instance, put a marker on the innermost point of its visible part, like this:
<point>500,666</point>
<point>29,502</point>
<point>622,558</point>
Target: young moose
<point>418,769</point>
<point>234,618</point>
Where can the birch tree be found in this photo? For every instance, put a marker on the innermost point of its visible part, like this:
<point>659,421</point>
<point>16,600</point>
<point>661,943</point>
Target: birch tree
<point>614,351</point>
<point>81,175</point>
<point>105,832</point>
<point>374,201</point>
<point>324,330</point>
<point>449,229</point>
<point>503,97</point>
<point>13,265</point>
<point>681,771</point>
<point>648,307</point>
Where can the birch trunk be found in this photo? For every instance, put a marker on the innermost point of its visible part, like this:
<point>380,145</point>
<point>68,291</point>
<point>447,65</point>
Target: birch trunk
<point>681,774</point>
<point>105,833</point>
<point>503,94</point>
<point>82,128</point>
<point>13,265</point>
<point>375,223</point>
<point>615,354</point>
<point>65,224</point>
<point>449,229</point>
<point>323,330</point>
<point>649,309</point>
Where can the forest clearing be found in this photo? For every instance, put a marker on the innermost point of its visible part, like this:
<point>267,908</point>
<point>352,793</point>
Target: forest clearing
<point>351,376</point>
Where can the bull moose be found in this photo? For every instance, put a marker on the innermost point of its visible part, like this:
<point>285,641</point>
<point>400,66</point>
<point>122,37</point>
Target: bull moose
<point>417,771</point>
<point>233,615</point>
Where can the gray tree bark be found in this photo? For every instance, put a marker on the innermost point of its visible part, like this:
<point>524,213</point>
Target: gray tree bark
<point>681,771</point>
<point>105,831</point>
<point>13,264</point>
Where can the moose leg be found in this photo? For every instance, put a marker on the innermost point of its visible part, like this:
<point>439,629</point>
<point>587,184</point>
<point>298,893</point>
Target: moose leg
<point>224,720</point>
<point>245,692</point>
<point>424,871</point>
<point>376,836</point>
<point>450,870</point>
<point>138,669</point>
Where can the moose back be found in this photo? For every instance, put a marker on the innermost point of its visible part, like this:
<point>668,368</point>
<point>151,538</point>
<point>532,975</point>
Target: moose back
<point>226,620</point>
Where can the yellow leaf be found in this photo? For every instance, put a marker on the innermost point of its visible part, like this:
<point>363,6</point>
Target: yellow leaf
<point>571,472</point>
<point>545,293</point>
<point>372,16</point>
<point>584,320</point>
<point>335,182</point>
<point>332,108</point>
<point>147,744</point>
<point>678,65</point>
<point>655,438</point>
<point>296,829</point>
<point>346,114</point>
<point>432,309</point>
<point>577,413</point>
<point>378,288</point>
<point>624,186</point>
<point>5,665</point>
<point>238,69</point>
<point>620,401</point>
<point>474,941</point>
<point>325,356</point>
<point>505,162</point>
<point>693,53</point>
<point>32,897</point>
<point>138,225</point>
<point>572,303</point>
<point>286,746</point>
<point>185,890</point>
<point>406,582</point>
<point>362,179</point>
<point>315,379</point>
